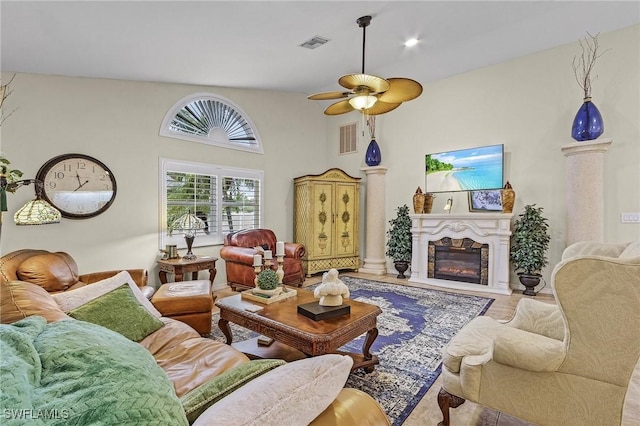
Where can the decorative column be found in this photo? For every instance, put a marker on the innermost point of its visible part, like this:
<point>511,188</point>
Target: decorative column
<point>585,190</point>
<point>375,261</point>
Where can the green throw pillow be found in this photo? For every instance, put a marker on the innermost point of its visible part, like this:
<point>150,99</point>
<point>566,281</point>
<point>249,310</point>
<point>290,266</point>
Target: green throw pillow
<point>120,311</point>
<point>199,399</point>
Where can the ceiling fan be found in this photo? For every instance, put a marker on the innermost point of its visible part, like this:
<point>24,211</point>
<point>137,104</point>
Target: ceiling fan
<point>369,94</point>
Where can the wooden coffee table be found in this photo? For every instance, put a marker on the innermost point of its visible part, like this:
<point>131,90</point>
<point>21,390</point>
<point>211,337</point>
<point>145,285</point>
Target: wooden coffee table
<point>294,332</point>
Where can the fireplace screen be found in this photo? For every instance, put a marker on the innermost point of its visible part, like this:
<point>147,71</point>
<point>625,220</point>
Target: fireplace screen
<point>461,259</point>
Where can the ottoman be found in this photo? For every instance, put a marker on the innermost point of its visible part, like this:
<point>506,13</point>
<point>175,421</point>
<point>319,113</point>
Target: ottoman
<point>190,302</point>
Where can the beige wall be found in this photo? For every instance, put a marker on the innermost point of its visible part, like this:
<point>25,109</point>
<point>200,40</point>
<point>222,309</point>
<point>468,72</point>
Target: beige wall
<point>118,122</point>
<point>527,104</point>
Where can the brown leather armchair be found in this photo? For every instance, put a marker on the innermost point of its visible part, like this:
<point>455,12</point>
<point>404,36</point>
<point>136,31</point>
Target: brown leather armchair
<point>238,252</point>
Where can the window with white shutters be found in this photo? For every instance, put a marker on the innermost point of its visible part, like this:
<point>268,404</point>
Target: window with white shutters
<point>226,199</point>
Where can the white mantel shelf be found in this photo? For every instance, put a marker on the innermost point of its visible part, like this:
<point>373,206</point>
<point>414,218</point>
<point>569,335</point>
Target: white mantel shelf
<point>493,229</point>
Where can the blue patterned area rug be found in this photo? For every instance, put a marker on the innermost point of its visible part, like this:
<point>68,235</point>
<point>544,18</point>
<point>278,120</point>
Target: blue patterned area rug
<point>414,326</point>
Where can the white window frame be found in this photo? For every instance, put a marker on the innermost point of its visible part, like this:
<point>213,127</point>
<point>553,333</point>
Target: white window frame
<point>216,138</point>
<point>215,236</point>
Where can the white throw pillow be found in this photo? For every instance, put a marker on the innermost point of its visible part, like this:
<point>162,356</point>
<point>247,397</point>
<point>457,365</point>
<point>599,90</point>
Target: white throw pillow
<point>293,394</point>
<point>71,299</point>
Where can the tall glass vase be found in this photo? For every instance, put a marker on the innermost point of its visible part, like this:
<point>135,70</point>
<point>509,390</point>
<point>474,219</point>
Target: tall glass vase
<point>588,124</point>
<point>373,156</point>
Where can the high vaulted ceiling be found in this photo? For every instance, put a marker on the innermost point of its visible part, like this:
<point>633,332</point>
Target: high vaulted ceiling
<point>255,44</point>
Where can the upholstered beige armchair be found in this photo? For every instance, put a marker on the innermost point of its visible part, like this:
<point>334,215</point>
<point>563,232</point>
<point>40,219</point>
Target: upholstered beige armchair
<point>573,363</point>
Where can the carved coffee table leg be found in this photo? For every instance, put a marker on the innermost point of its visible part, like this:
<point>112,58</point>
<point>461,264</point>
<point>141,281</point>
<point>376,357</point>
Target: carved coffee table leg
<point>366,346</point>
<point>371,337</point>
<point>226,330</point>
<point>446,401</point>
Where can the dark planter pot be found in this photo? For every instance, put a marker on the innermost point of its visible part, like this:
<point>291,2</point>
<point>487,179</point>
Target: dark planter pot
<point>401,266</point>
<point>530,281</point>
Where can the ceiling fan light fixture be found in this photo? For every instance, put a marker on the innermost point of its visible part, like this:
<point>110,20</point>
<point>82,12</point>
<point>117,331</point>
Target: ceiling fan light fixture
<point>369,94</point>
<point>363,101</point>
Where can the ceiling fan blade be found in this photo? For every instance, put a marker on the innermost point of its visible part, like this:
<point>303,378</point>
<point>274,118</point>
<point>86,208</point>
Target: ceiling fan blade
<point>353,81</point>
<point>328,95</point>
<point>340,107</point>
<point>401,90</point>
<point>380,107</point>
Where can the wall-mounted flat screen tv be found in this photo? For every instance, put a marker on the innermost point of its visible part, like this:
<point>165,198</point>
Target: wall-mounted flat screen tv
<point>465,169</point>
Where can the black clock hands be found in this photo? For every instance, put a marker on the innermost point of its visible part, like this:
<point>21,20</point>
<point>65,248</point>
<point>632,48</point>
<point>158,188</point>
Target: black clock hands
<point>81,185</point>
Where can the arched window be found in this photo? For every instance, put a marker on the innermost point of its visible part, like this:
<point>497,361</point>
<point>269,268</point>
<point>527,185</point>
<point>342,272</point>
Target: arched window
<point>211,119</point>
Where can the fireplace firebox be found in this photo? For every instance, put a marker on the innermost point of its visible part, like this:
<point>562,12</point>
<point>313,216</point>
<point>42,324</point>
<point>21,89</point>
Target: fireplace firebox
<point>490,231</point>
<point>463,260</point>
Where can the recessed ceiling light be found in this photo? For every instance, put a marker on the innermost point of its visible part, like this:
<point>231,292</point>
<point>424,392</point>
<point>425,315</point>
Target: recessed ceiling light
<point>411,42</point>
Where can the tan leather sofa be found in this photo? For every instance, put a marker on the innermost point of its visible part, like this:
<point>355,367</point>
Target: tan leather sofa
<point>573,363</point>
<point>188,359</point>
<point>58,272</point>
<point>238,252</point>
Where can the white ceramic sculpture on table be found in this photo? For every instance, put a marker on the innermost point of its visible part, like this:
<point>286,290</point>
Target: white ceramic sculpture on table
<point>332,289</point>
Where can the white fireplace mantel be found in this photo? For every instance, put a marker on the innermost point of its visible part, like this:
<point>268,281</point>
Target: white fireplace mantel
<point>493,229</point>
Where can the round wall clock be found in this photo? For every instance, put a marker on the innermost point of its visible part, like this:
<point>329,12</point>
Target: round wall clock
<point>78,185</point>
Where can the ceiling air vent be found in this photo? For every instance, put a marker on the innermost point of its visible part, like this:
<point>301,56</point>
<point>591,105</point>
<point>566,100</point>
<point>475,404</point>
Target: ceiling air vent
<point>314,42</point>
<point>348,138</point>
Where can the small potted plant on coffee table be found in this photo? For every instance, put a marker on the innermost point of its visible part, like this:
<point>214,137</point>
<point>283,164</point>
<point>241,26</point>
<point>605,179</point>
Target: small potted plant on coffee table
<point>529,245</point>
<point>399,242</point>
<point>268,283</point>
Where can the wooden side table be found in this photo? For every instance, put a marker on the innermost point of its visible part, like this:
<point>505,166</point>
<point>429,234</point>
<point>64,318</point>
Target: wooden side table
<point>180,266</point>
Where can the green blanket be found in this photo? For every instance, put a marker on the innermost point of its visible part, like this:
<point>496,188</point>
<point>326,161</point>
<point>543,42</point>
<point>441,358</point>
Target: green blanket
<point>76,373</point>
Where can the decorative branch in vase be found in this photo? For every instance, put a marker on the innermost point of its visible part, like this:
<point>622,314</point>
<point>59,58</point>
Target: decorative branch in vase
<point>7,174</point>
<point>588,123</point>
<point>5,91</point>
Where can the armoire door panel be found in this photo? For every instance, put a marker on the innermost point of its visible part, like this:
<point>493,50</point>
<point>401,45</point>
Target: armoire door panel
<point>323,220</point>
<point>345,219</point>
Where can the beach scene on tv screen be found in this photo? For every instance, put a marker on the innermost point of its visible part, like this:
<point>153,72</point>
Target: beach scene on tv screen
<point>465,170</point>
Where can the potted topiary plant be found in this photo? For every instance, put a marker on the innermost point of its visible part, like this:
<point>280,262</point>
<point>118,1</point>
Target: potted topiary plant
<point>268,283</point>
<point>529,245</point>
<point>399,242</point>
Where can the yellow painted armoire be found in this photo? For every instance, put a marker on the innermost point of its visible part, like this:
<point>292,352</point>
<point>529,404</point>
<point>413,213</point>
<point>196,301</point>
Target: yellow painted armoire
<point>327,209</point>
